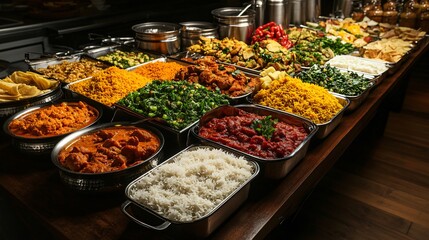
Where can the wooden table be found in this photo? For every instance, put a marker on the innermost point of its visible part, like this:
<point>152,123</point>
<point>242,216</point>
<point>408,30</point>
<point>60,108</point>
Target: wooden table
<point>33,185</point>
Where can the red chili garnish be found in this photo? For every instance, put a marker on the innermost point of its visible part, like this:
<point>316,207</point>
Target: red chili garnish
<point>271,31</point>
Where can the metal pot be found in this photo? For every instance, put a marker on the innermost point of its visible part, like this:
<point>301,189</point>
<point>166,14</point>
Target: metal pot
<point>232,26</point>
<point>277,11</point>
<point>313,10</point>
<point>297,10</point>
<point>159,37</point>
<point>107,181</point>
<point>192,31</point>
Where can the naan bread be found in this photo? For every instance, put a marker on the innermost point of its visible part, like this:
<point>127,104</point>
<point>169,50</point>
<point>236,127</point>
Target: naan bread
<point>21,85</point>
<point>33,79</point>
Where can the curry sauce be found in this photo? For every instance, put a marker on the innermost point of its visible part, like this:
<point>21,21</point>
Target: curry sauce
<point>109,149</point>
<point>54,120</point>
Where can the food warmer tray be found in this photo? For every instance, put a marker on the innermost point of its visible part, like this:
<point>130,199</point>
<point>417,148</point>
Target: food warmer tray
<point>108,111</point>
<point>95,53</point>
<point>393,66</point>
<point>176,139</point>
<point>271,168</point>
<point>324,128</point>
<point>376,77</point>
<point>196,56</point>
<point>46,62</point>
<point>199,228</point>
<point>355,101</point>
<point>232,100</point>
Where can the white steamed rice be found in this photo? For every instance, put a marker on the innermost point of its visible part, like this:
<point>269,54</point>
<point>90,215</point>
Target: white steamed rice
<point>191,185</point>
<point>358,64</point>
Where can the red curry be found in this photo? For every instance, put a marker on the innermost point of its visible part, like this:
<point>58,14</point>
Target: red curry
<point>236,132</point>
<point>110,149</point>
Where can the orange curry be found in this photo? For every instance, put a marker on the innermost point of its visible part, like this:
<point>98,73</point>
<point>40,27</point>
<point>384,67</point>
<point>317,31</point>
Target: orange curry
<point>54,120</point>
<point>110,149</point>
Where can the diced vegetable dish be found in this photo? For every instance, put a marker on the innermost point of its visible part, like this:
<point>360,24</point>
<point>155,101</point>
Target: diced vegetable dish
<point>179,103</point>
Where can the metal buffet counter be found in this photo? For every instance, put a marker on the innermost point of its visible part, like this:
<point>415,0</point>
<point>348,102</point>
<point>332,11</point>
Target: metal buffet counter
<point>33,186</point>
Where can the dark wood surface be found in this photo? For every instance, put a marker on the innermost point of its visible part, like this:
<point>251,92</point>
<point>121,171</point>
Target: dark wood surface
<point>381,192</point>
<point>33,185</point>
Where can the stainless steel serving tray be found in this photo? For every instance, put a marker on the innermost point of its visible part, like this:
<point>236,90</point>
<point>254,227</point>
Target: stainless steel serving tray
<point>271,168</point>
<point>365,60</point>
<point>355,101</point>
<point>41,145</point>
<point>196,56</point>
<point>177,139</point>
<point>394,66</point>
<point>102,51</point>
<point>46,62</point>
<point>107,181</point>
<point>203,226</point>
<point>36,65</point>
<point>324,128</point>
<point>107,110</point>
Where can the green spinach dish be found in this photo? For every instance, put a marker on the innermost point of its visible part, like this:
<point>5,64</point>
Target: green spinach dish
<point>346,83</point>
<point>179,103</point>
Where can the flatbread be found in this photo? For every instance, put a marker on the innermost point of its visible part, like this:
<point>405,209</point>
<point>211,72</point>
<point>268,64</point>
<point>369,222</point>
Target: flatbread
<point>22,85</point>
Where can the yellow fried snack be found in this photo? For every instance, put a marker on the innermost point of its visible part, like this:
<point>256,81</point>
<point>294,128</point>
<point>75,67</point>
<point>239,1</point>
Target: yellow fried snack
<point>390,49</point>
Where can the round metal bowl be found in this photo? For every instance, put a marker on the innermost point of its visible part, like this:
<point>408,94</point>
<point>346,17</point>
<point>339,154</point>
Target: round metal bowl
<point>159,37</point>
<point>41,145</point>
<point>9,108</point>
<point>106,181</point>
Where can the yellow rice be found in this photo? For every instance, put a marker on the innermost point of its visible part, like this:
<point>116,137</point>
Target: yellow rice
<point>110,85</point>
<point>304,99</point>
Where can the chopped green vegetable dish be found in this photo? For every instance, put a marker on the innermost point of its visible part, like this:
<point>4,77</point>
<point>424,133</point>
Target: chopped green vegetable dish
<point>346,83</point>
<point>179,103</point>
<point>125,59</point>
<point>320,50</point>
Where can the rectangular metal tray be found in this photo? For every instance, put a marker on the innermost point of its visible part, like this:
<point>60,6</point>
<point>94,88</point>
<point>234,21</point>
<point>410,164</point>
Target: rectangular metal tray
<point>324,128</point>
<point>35,65</point>
<point>369,61</point>
<point>203,226</point>
<point>233,100</point>
<point>95,53</point>
<point>176,139</point>
<point>196,56</point>
<point>357,100</point>
<point>108,111</point>
<point>271,168</point>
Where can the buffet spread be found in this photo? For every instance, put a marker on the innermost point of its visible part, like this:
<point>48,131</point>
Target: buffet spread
<point>235,111</point>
